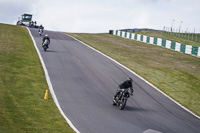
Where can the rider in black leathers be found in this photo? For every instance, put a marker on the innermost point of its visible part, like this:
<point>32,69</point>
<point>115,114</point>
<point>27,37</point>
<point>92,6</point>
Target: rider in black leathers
<point>46,37</point>
<point>125,85</point>
<point>40,27</point>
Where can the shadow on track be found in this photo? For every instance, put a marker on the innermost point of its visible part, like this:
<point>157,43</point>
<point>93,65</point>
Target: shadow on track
<point>130,108</point>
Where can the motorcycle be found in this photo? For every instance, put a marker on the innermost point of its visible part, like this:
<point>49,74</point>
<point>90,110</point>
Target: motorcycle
<point>45,44</point>
<point>121,99</point>
<point>40,31</point>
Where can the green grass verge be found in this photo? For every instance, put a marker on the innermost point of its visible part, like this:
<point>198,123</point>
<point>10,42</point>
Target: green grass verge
<point>22,87</point>
<point>164,35</point>
<point>174,73</point>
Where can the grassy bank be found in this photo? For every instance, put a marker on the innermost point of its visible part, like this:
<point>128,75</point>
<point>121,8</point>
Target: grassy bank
<point>174,73</point>
<point>166,36</point>
<point>22,87</point>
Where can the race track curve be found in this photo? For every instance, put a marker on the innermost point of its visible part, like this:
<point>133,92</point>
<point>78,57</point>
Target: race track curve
<point>84,82</point>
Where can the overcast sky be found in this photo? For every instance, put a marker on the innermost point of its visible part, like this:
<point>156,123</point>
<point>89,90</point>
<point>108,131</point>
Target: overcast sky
<point>94,16</point>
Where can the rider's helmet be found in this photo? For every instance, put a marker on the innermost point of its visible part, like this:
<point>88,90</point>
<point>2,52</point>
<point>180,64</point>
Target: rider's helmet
<point>130,79</point>
<point>46,35</point>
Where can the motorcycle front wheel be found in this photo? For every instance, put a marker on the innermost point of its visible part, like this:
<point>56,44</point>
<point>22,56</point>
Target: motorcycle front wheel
<point>123,103</point>
<point>45,48</point>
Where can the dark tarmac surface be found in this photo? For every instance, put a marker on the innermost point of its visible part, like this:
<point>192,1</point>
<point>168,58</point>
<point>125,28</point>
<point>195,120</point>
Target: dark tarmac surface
<point>84,82</point>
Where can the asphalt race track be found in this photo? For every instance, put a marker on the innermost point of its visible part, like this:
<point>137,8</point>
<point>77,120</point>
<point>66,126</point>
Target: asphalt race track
<point>84,82</point>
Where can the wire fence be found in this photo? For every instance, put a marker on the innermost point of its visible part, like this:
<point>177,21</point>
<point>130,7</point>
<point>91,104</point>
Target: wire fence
<point>183,34</point>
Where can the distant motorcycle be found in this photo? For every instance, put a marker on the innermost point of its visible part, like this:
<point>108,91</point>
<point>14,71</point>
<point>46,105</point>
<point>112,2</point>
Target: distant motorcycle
<point>45,45</point>
<point>40,31</point>
<point>121,99</point>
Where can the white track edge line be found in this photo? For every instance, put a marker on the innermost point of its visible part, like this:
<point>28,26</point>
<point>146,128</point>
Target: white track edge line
<point>50,85</point>
<point>138,77</point>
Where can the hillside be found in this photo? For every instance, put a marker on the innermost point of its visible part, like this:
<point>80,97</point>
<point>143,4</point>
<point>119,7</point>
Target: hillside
<point>23,84</point>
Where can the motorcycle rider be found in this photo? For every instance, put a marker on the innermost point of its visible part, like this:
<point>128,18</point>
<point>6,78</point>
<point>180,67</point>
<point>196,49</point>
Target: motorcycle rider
<point>40,27</point>
<point>125,85</point>
<point>44,38</point>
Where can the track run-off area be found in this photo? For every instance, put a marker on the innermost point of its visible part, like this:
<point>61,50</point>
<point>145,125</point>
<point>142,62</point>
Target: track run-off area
<point>84,82</point>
